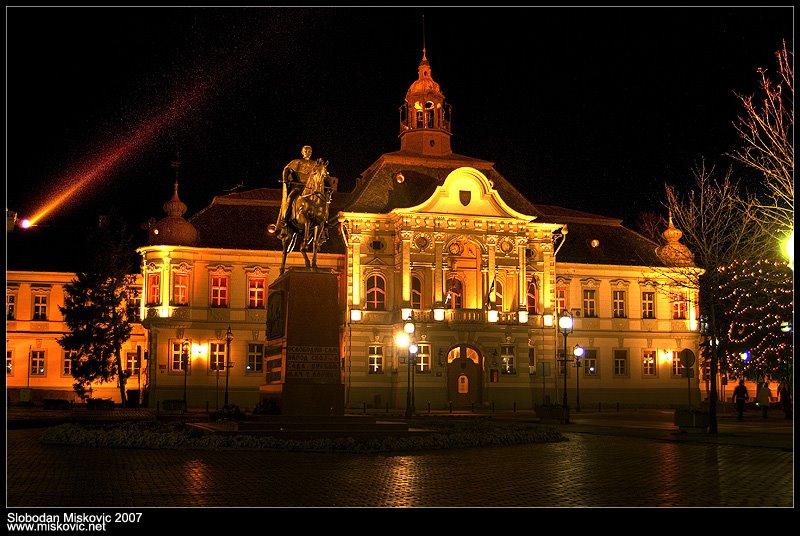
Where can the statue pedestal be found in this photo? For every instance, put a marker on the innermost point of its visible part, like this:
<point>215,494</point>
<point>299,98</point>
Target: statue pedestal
<point>304,373</point>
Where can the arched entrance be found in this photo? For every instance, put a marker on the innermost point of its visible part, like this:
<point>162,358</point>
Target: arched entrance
<point>464,376</point>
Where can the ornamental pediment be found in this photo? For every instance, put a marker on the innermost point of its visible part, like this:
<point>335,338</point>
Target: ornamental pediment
<point>466,192</point>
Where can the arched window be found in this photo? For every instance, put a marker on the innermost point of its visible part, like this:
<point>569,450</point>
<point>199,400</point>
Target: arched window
<point>455,293</point>
<point>533,291</point>
<point>498,295</point>
<point>416,292</point>
<point>376,293</point>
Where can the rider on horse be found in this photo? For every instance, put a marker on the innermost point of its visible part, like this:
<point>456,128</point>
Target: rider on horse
<point>294,178</point>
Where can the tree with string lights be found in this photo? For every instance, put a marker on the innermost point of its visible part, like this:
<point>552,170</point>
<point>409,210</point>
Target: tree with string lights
<point>758,297</point>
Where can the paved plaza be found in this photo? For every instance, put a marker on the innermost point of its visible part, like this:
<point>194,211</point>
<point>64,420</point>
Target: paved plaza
<point>612,459</point>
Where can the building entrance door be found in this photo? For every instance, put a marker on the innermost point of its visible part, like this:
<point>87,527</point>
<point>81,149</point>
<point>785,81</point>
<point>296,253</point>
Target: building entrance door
<point>464,376</point>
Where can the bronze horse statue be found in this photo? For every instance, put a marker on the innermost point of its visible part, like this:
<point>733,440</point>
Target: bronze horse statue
<point>307,217</point>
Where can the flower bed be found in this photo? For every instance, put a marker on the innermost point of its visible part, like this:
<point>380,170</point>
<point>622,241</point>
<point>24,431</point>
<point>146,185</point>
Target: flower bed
<point>155,435</point>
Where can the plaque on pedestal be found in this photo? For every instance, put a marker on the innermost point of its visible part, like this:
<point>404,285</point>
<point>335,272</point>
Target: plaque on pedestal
<point>303,357</point>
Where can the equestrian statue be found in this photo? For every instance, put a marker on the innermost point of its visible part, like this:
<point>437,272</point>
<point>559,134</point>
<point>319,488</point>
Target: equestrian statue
<point>303,216</point>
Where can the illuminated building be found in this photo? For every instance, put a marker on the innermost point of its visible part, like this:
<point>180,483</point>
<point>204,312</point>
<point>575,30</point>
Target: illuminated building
<point>443,239</point>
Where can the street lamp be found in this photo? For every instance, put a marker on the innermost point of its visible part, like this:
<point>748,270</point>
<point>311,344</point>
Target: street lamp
<point>185,346</point>
<point>578,351</point>
<point>228,339</point>
<point>565,325</point>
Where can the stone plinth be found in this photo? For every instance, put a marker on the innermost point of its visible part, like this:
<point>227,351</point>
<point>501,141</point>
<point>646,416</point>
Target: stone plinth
<point>303,354</point>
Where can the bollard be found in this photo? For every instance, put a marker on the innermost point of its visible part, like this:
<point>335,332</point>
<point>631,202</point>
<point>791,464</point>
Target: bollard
<point>429,408</point>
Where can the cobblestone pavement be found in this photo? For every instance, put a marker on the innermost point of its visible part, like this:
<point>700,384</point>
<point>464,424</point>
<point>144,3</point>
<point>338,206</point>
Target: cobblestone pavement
<point>609,461</point>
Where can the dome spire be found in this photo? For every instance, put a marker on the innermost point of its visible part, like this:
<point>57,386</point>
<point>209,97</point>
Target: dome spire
<point>673,252</point>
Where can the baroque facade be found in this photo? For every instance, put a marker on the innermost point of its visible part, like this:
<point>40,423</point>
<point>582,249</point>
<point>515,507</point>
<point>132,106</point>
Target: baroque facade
<point>444,241</point>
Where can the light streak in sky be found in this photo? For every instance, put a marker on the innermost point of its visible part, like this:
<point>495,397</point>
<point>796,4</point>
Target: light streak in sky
<point>89,174</point>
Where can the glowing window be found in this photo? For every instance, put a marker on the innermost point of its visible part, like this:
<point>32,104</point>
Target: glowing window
<point>219,290</point>
<point>11,300</point>
<point>590,363</point>
<point>153,289</point>
<point>423,358</point>
<point>561,299</point>
<point>589,303</point>
<point>133,363</point>
<point>180,288</point>
<point>649,363</point>
<point>454,294</point>
<point>498,295</point>
<point>376,293</point>
<point>531,298</point>
<point>679,306</point>
<point>256,292</point>
<point>375,359</point>
<point>507,358</point>
<point>179,356</point>
<point>216,356</point>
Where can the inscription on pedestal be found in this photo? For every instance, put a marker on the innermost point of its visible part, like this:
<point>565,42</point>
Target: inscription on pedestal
<point>312,363</point>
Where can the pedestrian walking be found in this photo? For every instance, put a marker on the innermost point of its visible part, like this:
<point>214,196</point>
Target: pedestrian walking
<point>739,398</point>
<point>785,395</point>
<point>762,399</point>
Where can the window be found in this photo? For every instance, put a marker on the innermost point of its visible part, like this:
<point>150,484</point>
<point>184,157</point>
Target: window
<point>531,361</point>
<point>216,356</point>
<point>533,290</point>
<point>40,307</point>
<point>70,356</point>
<point>679,306</point>
<point>376,293</point>
<point>11,301</point>
<point>589,304</point>
<point>677,368</point>
<point>375,359</point>
<point>648,304</point>
<point>620,362</point>
<point>454,294</point>
<point>590,363</point>
<point>153,289</point>
<point>255,357</point>
<point>423,358</point>
<point>618,298</point>
<point>507,355</point>
<point>134,306</point>
<point>180,288</point>
<point>649,363</point>
<point>133,363</point>
<point>179,356</point>
<point>561,299</point>
<point>416,293</point>
<point>498,295</point>
<point>219,290</point>
<point>9,363</point>
<point>256,291</point>
<point>37,363</point>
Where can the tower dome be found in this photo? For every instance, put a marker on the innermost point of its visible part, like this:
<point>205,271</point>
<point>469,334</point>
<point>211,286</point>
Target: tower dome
<point>173,230</point>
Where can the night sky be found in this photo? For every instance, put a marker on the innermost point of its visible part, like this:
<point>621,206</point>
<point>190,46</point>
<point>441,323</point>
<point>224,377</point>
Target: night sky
<point>588,108</point>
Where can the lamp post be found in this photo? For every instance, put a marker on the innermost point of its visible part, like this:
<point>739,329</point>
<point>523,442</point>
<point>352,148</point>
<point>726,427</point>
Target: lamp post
<point>185,345</point>
<point>412,356</point>
<point>565,325</point>
<point>228,339</point>
<point>404,339</point>
<point>578,351</point>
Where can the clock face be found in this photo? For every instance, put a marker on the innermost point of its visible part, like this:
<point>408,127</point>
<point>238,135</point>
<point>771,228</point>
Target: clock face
<point>275,316</point>
<point>455,248</point>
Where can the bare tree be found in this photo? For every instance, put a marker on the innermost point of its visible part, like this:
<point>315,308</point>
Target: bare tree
<point>651,225</point>
<point>766,128</point>
<point>719,225</point>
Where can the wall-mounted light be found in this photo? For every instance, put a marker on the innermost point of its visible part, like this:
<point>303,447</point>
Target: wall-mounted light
<point>492,315</point>
<point>355,315</point>
<point>405,313</point>
<point>438,312</point>
<point>547,318</point>
<point>408,326</point>
<point>523,317</point>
